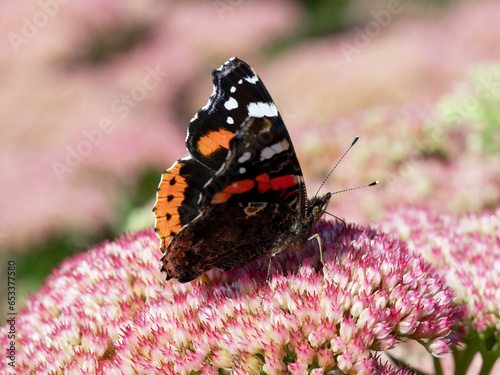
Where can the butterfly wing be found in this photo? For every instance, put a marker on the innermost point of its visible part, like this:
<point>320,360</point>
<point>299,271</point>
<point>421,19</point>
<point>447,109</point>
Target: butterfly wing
<point>177,200</point>
<point>242,169</point>
<point>238,94</point>
<point>250,206</point>
<point>261,166</point>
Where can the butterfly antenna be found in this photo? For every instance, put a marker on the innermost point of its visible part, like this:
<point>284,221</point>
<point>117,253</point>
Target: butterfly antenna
<point>343,191</point>
<point>342,157</point>
<point>356,188</point>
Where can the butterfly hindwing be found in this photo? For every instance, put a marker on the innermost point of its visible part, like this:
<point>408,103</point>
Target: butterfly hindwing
<point>210,242</point>
<point>177,202</point>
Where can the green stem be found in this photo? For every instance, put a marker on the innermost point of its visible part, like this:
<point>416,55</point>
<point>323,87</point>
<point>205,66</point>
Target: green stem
<point>477,343</point>
<point>463,358</point>
<point>437,366</point>
<point>490,356</point>
<point>488,364</point>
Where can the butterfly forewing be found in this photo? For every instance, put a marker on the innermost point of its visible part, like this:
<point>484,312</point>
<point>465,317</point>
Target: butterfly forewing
<point>238,94</point>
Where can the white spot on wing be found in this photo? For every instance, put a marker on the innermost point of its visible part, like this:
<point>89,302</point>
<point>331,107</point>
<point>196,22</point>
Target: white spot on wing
<point>230,120</point>
<point>231,104</point>
<point>245,157</point>
<point>277,148</point>
<point>253,80</point>
<point>267,153</point>
<point>242,170</point>
<point>261,109</point>
<point>240,82</point>
<point>232,89</point>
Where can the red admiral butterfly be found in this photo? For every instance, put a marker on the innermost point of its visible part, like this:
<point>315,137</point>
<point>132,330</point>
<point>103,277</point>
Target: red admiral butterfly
<point>240,194</point>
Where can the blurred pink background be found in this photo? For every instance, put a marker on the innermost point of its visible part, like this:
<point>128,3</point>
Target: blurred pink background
<point>94,94</point>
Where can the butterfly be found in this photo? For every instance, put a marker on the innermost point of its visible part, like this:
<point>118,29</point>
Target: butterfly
<point>239,195</point>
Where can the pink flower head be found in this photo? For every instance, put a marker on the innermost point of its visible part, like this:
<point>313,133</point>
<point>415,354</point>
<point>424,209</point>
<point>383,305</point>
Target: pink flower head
<point>110,309</point>
<point>466,252</point>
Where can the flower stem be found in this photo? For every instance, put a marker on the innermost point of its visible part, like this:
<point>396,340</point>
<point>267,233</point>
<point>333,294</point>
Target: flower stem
<point>437,366</point>
<point>463,358</point>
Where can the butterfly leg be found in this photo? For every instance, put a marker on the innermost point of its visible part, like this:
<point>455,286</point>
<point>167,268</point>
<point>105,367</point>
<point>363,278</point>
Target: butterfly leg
<point>268,278</point>
<point>318,238</point>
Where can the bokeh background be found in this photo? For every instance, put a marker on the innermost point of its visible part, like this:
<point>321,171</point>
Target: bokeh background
<point>96,96</point>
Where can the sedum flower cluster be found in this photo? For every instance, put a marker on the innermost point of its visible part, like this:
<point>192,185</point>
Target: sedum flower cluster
<point>110,311</point>
<point>466,252</point>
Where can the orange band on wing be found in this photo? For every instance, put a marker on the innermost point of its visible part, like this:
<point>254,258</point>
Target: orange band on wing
<point>238,187</point>
<point>169,197</point>
<point>214,140</point>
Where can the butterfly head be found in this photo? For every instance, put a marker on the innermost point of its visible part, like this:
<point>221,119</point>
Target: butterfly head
<point>317,207</point>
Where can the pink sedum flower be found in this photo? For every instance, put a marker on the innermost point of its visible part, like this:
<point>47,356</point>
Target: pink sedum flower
<point>466,252</point>
<point>110,310</point>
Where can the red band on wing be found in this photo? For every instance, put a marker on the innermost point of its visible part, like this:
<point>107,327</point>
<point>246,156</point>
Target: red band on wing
<point>238,187</point>
<point>283,182</point>
<point>264,182</point>
<point>278,184</point>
